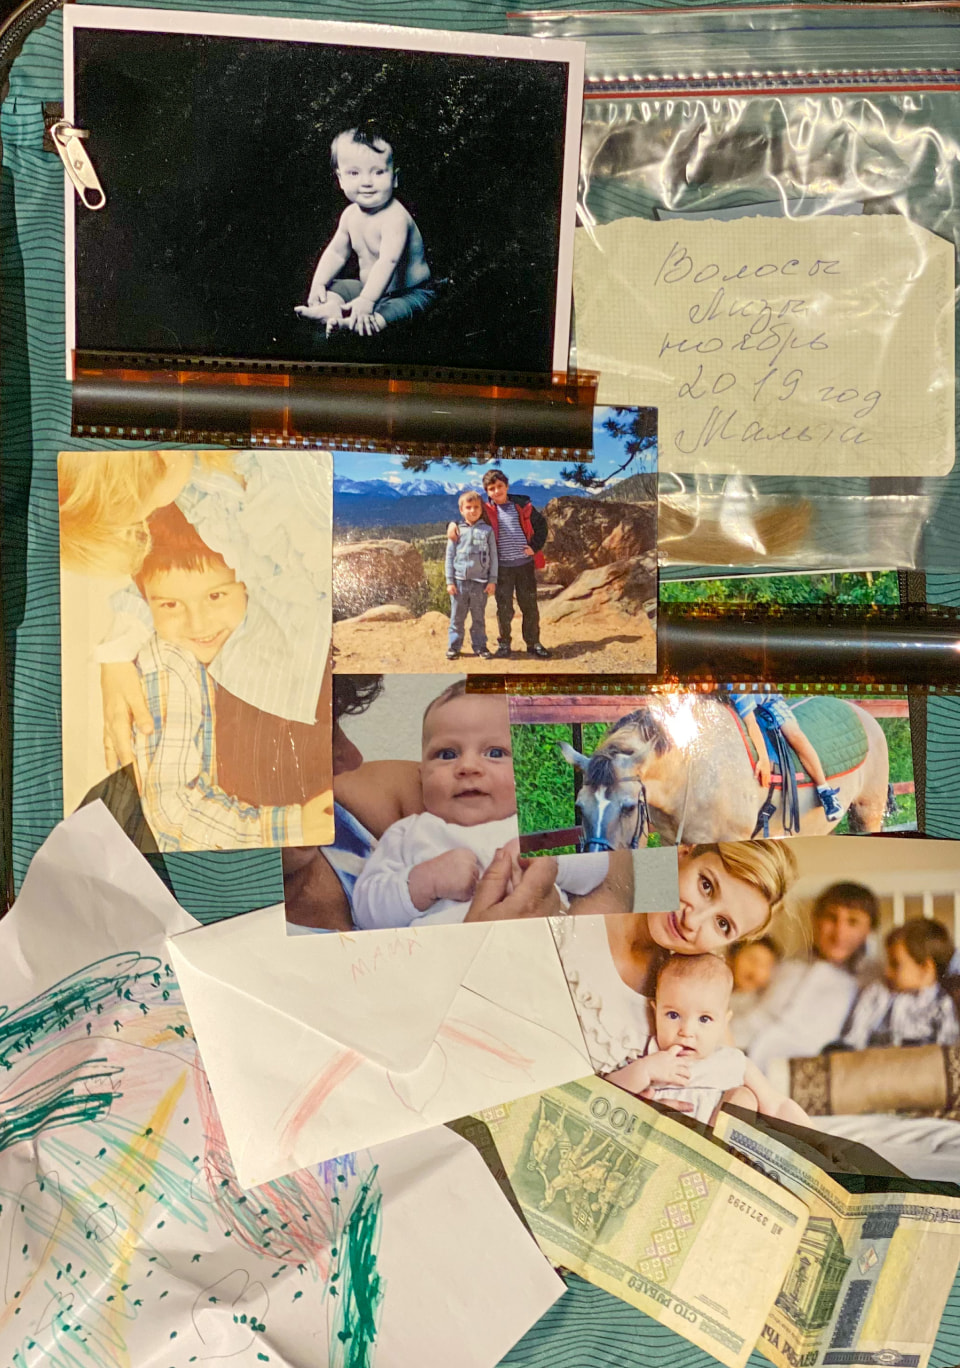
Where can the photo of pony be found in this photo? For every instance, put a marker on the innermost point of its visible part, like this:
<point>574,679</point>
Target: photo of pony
<point>732,764</point>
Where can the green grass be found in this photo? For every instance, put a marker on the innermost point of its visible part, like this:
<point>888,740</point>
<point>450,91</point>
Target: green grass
<point>864,589</point>
<point>544,779</point>
<point>432,596</point>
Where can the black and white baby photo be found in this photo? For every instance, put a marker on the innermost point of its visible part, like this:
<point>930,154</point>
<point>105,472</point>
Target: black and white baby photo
<point>325,199</point>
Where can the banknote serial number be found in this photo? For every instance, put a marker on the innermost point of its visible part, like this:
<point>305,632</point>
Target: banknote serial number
<point>754,1213</point>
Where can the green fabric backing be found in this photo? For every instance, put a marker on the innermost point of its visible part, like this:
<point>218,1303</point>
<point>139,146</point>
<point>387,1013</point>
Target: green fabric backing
<point>587,1328</point>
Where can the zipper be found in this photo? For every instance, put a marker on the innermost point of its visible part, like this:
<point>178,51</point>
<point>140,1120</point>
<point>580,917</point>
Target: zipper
<point>15,29</point>
<point>759,49</point>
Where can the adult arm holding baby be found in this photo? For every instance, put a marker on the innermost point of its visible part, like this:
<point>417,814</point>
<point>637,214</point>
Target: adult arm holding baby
<point>758,1094</point>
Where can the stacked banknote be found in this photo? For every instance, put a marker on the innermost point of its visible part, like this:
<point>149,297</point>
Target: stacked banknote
<point>648,1209</point>
<point>873,1272</point>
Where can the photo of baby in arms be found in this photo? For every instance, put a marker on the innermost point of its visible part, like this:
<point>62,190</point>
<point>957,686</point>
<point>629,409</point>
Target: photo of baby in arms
<point>394,278</point>
<point>688,1059</point>
<point>426,867</point>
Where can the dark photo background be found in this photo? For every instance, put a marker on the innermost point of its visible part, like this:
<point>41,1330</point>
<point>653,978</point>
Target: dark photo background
<point>215,157</point>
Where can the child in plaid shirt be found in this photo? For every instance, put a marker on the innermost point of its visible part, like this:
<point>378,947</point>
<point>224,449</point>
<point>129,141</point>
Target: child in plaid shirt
<point>196,604</point>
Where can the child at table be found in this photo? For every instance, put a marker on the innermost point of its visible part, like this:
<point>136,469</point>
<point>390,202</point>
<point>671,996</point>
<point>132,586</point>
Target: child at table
<point>912,1007</point>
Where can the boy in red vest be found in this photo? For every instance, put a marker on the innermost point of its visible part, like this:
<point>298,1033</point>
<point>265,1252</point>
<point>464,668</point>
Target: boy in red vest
<point>520,530</point>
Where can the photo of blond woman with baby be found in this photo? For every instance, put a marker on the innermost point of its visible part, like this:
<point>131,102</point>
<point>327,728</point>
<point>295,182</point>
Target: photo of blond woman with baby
<point>814,981</point>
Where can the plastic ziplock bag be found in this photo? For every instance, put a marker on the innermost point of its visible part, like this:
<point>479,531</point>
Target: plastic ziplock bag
<point>787,113</point>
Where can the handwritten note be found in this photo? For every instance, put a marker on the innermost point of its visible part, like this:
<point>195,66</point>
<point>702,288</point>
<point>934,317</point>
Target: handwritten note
<point>776,346</point>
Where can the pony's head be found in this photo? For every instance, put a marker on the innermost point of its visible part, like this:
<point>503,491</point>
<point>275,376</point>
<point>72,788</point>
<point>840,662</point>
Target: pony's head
<point>612,802</point>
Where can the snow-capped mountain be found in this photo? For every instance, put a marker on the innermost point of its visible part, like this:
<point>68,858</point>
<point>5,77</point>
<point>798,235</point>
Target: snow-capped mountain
<point>385,502</point>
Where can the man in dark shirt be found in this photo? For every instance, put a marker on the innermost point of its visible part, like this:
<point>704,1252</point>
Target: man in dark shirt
<point>520,530</point>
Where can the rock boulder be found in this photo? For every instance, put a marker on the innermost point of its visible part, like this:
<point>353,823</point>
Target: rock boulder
<point>369,574</point>
<point>627,586</point>
<point>386,612</point>
<point>587,533</point>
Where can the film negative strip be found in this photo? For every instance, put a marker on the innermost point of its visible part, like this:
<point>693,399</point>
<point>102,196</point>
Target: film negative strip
<point>828,647</point>
<point>908,644</point>
<point>428,411</point>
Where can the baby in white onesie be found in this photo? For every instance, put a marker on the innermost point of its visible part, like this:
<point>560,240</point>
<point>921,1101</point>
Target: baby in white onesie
<point>688,1060</point>
<point>426,868</point>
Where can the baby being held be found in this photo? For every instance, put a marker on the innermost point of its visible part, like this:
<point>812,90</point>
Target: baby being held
<point>426,868</point>
<point>687,1060</point>
<point>395,280</point>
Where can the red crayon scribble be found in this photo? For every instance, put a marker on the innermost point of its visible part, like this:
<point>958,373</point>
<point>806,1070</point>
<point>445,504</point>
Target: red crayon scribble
<point>332,1076</point>
<point>290,1220</point>
<point>463,1035</point>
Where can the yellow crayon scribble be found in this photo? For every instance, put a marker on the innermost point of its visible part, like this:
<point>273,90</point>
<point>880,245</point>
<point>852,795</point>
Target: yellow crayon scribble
<point>122,1181</point>
<point>154,1031</point>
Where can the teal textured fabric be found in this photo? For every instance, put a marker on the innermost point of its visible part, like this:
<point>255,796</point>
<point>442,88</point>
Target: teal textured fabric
<point>587,1328</point>
<point>35,424</point>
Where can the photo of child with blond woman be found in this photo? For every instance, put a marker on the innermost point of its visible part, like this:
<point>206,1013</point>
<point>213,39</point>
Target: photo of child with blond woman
<point>688,1059</point>
<point>195,643</point>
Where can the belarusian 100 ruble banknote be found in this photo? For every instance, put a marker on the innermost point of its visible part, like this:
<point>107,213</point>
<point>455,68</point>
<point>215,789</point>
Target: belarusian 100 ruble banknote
<point>873,1272</point>
<point>648,1209</point>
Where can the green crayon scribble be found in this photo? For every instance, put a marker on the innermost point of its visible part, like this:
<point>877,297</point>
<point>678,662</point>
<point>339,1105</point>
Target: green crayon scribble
<point>72,998</point>
<point>73,1233</point>
<point>355,1281</point>
<point>58,1101</point>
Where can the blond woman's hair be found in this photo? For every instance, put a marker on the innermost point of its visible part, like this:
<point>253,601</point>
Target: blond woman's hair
<point>770,866</point>
<point>102,495</point>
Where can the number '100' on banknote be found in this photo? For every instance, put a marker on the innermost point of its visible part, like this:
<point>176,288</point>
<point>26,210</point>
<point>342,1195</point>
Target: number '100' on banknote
<point>648,1209</point>
<point>872,1274</point>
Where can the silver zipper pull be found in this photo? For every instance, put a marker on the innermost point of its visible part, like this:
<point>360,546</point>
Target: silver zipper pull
<point>79,167</point>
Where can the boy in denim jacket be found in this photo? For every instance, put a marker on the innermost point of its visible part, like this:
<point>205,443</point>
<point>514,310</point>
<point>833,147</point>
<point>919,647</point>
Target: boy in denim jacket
<point>470,566</point>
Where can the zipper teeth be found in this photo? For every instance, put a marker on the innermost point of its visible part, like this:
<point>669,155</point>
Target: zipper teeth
<point>23,22</point>
<point>666,82</point>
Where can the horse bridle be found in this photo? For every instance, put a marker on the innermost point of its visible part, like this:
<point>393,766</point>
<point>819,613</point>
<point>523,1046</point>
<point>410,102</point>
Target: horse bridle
<point>641,826</point>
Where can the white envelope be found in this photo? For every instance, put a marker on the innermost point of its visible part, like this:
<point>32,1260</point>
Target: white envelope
<point>318,1045</point>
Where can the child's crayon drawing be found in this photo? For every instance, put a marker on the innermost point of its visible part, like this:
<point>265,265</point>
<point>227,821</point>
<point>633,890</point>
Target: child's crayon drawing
<point>113,1165</point>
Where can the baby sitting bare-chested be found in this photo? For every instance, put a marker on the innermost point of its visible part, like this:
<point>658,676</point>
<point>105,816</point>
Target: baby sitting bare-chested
<point>395,280</point>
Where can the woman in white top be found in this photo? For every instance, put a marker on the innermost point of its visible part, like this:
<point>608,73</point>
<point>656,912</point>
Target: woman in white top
<point>728,892</point>
<point>807,1002</point>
